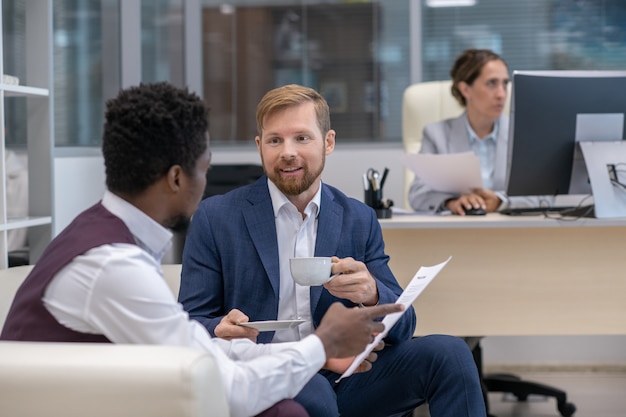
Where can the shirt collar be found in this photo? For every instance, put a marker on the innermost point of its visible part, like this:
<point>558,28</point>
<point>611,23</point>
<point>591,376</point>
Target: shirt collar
<point>279,200</point>
<point>149,235</point>
<point>474,137</point>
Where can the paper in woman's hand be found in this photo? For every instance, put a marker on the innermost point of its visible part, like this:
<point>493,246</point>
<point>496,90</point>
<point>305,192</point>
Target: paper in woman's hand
<point>447,173</point>
<point>420,280</point>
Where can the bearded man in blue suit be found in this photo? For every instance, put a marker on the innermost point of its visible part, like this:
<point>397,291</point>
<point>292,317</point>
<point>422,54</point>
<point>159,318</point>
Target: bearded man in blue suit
<point>236,268</point>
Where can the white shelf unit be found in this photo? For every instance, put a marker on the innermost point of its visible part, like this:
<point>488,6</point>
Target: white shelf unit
<point>35,88</point>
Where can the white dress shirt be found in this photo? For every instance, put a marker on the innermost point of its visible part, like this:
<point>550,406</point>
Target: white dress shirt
<point>296,239</point>
<point>118,290</point>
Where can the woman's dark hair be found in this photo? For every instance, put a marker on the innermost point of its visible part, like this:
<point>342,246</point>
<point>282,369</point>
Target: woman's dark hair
<point>147,130</point>
<point>467,68</point>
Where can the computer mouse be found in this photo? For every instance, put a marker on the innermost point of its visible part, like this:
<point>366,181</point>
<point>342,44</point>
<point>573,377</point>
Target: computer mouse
<point>475,212</point>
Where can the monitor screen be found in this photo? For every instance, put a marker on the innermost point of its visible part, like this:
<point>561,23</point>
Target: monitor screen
<point>550,112</point>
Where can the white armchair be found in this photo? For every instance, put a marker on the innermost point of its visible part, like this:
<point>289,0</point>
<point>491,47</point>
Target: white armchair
<point>424,103</point>
<point>103,380</point>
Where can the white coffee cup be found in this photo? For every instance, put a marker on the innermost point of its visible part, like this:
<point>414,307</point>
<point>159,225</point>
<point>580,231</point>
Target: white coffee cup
<point>310,271</point>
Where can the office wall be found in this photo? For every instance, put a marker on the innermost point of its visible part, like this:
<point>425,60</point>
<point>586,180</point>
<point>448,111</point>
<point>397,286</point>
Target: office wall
<point>602,352</point>
<point>344,167</point>
<point>79,182</point>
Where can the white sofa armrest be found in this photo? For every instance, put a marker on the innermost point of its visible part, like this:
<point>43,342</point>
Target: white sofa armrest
<point>102,380</point>
<point>90,379</point>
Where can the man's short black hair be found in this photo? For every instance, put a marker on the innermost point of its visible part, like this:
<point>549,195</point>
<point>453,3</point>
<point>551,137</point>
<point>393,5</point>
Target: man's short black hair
<point>147,130</point>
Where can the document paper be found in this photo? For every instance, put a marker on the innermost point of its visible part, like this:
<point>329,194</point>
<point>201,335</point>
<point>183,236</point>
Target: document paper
<point>420,280</point>
<point>447,173</point>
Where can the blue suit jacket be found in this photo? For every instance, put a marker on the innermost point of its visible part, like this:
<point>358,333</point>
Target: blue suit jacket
<point>230,258</point>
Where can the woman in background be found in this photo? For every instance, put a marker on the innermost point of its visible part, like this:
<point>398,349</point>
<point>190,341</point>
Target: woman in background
<point>479,83</point>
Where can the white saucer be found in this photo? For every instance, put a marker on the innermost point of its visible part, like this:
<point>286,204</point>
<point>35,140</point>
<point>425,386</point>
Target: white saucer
<point>269,325</point>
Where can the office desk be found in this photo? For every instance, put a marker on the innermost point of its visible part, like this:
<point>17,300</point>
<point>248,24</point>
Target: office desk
<point>514,275</point>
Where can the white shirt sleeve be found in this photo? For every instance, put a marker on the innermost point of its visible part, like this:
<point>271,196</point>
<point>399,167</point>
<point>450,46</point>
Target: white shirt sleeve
<point>119,291</point>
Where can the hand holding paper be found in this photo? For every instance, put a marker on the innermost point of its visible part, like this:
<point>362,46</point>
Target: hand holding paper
<point>420,280</point>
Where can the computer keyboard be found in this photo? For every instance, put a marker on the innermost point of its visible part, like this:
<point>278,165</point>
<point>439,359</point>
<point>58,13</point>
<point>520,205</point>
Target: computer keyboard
<point>573,211</point>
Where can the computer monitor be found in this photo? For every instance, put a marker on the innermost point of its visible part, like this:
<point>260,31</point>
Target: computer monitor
<point>550,112</point>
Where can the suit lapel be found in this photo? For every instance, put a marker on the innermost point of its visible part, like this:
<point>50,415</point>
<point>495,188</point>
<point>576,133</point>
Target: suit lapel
<point>261,225</point>
<point>459,138</point>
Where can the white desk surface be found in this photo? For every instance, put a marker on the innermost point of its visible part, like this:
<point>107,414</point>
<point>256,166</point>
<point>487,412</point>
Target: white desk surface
<point>522,275</point>
<point>491,220</point>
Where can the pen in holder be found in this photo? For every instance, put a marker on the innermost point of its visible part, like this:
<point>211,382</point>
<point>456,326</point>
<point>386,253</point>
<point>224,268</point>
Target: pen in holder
<point>373,184</point>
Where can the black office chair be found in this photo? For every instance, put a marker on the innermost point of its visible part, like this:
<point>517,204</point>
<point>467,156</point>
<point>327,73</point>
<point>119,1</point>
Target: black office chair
<point>220,179</point>
<point>509,383</point>
<point>18,257</point>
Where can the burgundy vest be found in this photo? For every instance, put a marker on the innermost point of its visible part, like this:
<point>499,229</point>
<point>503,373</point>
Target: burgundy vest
<point>28,318</point>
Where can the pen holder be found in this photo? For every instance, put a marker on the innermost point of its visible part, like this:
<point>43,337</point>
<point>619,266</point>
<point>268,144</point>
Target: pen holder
<point>373,186</point>
<point>374,199</point>
<point>383,213</point>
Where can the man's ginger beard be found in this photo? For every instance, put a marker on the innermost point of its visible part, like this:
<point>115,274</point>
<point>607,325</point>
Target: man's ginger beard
<point>293,185</point>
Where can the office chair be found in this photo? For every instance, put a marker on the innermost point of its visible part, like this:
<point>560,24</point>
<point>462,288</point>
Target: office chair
<point>429,102</point>
<point>220,179</point>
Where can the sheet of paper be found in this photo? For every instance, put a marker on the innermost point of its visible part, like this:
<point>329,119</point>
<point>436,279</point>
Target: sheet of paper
<point>420,280</point>
<point>449,173</point>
